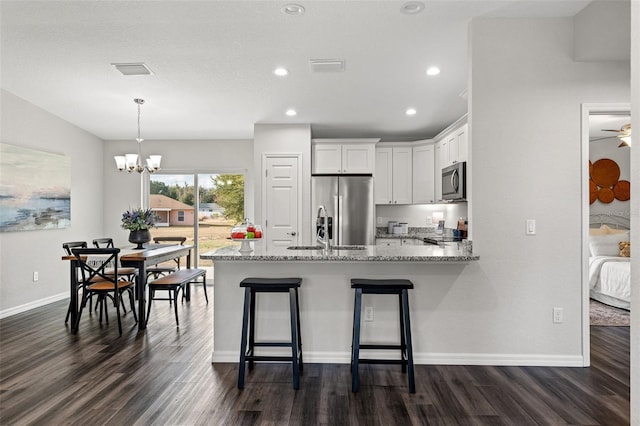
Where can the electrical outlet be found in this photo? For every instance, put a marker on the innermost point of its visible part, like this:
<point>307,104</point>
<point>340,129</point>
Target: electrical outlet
<point>368,313</point>
<point>379,220</point>
<point>429,220</point>
<point>35,276</point>
<point>558,315</point>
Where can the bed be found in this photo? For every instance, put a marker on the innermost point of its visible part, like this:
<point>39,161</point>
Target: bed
<point>609,272</point>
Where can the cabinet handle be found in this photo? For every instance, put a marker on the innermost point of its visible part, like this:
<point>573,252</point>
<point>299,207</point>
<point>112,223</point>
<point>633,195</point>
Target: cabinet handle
<point>395,202</point>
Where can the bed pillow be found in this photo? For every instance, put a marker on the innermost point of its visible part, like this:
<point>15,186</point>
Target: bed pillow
<point>607,245</point>
<point>605,230</point>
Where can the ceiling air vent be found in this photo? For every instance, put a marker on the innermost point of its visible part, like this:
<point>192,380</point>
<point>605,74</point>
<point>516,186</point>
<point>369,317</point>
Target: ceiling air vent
<point>327,65</point>
<point>133,69</point>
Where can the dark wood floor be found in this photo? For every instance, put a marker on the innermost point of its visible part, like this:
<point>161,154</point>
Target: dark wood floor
<point>164,376</point>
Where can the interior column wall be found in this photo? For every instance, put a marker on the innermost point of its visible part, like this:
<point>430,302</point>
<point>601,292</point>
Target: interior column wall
<point>525,102</point>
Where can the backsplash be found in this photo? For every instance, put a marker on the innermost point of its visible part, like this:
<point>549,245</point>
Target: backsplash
<point>415,215</point>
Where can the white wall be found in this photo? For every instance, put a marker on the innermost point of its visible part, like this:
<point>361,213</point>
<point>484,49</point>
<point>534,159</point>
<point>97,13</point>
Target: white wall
<point>285,139</point>
<point>122,190</point>
<point>21,253</point>
<point>525,98</point>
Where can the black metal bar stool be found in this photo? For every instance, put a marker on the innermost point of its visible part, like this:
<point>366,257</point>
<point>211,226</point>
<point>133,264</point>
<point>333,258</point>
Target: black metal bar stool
<point>270,285</point>
<point>389,286</point>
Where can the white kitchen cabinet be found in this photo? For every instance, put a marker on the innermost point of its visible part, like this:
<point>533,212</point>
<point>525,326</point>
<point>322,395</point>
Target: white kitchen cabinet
<point>388,242</point>
<point>424,177</point>
<point>438,171</point>
<point>393,178</point>
<point>339,156</point>
<point>454,147</point>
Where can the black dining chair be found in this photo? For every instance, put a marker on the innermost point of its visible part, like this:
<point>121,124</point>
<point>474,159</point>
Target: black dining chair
<point>158,271</point>
<point>99,279</point>
<point>67,249</point>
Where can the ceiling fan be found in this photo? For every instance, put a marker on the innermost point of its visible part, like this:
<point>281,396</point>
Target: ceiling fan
<point>624,134</point>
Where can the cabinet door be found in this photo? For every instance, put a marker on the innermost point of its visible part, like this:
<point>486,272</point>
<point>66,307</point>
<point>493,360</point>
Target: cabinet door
<point>402,177</point>
<point>438,172</point>
<point>424,174</point>
<point>383,176</point>
<point>453,148</point>
<point>444,153</point>
<point>357,158</point>
<point>462,135</point>
<point>388,242</point>
<point>327,158</point>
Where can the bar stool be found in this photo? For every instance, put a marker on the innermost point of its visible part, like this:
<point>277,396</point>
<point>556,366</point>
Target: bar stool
<point>252,286</point>
<point>388,286</point>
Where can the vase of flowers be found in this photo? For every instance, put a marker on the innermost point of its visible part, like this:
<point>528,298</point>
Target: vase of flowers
<point>138,222</point>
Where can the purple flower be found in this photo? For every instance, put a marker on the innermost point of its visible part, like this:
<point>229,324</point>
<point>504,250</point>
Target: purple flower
<point>138,219</point>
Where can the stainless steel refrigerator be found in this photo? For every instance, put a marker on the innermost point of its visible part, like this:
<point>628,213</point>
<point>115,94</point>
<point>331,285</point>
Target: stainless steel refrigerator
<point>349,201</point>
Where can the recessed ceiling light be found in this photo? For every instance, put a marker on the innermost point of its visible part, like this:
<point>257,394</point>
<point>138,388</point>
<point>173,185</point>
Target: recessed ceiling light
<point>281,72</point>
<point>411,111</point>
<point>291,112</point>
<point>293,9</point>
<point>433,71</point>
<point>412,7</point>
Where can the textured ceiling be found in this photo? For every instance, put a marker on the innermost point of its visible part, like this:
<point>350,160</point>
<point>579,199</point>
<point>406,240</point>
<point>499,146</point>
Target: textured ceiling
<point>213,60</point>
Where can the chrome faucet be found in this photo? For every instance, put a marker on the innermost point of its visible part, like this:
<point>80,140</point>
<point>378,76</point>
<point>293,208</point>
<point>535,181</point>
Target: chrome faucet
<point>322,228</point>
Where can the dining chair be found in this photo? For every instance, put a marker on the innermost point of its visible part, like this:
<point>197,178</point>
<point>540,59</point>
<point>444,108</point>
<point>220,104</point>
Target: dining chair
<point>127,273</point>
<point>67,248</point>
<point>98,280</point>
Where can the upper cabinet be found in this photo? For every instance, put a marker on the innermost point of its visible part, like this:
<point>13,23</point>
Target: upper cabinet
<point>393,177</point>
<point>423,174</point>
<point>454,147</point>
<point>339,156</point>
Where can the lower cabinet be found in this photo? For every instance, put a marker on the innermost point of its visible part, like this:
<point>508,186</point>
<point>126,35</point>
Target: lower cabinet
<point>397,242</point>
<point>388,242</point>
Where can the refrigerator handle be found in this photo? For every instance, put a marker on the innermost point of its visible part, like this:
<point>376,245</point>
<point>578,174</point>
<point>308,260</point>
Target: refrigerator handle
<point>340,206</point>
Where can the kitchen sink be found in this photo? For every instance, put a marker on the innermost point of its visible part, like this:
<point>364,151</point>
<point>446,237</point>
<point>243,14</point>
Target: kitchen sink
<point>321,248</point>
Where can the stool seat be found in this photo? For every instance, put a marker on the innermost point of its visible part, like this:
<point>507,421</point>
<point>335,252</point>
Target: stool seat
<point>377,285</point>
<point>264,284</point>
<point>252,286</point>
<point>399,287</point>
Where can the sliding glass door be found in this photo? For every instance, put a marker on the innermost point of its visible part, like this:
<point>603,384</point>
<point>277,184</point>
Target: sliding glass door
<point>204,220</point>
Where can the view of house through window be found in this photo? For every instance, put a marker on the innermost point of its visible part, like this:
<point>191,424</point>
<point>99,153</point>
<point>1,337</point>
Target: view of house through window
<point>206,222</point>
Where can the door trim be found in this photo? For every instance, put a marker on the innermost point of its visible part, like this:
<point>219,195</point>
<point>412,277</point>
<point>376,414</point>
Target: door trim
<point>587,110</point>
<point>263,205</point>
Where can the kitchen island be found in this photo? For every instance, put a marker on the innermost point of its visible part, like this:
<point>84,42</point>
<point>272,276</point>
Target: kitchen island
<point>326,297</point>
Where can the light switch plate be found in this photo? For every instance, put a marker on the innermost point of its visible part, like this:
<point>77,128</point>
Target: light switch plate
<point>530,227</point>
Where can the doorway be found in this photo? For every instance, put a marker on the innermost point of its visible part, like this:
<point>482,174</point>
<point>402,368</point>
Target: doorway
<point>601,209</point>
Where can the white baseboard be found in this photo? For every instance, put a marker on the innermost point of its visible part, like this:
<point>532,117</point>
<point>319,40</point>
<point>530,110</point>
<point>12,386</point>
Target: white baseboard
<point>433,359</point>
<point>32,305</point>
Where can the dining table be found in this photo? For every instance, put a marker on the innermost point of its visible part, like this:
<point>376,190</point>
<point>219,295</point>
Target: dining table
<point>151,254</point>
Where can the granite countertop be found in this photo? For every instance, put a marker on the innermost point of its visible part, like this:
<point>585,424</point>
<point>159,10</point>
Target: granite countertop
<point>371,253</point>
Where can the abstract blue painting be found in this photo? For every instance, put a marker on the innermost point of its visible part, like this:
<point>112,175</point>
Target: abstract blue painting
<point>35,189</point>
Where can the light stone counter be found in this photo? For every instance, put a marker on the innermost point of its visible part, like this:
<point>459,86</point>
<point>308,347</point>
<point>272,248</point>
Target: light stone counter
<point>451,252</point>
<point>326,297</point>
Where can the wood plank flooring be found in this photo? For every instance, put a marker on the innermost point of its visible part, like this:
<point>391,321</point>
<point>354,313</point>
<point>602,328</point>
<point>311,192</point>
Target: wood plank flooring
<point>164,377</point>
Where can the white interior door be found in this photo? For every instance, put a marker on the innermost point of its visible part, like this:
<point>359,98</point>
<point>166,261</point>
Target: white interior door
<point>282,200</point>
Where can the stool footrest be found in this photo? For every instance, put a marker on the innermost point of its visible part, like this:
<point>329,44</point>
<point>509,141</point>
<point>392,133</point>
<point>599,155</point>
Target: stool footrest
<point>267,358</point>
<point>273,344</point>
<point>382,361</point>
<point>378,346</point>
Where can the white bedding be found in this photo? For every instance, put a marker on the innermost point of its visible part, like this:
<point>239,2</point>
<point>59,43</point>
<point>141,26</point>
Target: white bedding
<point>610,281</point>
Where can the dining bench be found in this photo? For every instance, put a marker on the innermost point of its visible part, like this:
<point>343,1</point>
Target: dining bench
<point>175,282</point>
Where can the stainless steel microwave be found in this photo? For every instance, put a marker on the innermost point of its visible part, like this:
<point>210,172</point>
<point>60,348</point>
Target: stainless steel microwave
<point>454,179</point>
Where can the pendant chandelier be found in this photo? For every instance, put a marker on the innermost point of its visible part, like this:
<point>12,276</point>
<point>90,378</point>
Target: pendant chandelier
<point>131,162</point>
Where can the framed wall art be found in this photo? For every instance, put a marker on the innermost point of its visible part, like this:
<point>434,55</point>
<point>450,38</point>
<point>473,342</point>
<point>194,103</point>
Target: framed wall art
<point>35,189</point>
